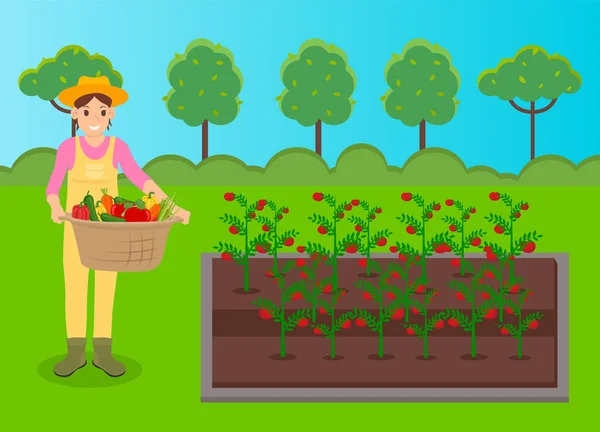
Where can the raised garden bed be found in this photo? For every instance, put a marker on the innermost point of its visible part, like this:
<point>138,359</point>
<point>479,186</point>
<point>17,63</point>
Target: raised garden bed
<point>240,360</point>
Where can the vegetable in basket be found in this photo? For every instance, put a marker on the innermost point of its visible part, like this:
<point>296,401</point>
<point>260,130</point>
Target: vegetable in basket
<point>81,211</point>
<point>137,212</point>
<point>149,200</point>
<point>154,212</point>
<point>166,209</point>
<point>117,210</point>
<point>91,205</point>
<point>100,209</point>
<point>107,200</point>
<point>109,218</point>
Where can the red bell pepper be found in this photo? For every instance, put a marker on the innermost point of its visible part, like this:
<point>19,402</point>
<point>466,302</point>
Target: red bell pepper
<point>81,211</point>
<point>137,213</point>
<point>117,210</point>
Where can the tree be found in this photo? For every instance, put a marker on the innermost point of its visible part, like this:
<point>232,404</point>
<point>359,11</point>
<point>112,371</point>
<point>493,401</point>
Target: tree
<point>53,75</point>
<point>423,85</point>
<point>530,75</point>
<point>205,87</point>
<point>318,87</point>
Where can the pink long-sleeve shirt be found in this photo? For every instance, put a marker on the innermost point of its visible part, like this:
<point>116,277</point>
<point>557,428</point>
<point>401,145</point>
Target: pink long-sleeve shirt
<point>65,159</point>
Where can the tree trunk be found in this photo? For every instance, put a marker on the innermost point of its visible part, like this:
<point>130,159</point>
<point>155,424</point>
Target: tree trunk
<point>532,130</point>
<point>204,139</point>
<point>65,111</point>
<point>318,138</point>
<point>422,135</point>
<point>532,113</point>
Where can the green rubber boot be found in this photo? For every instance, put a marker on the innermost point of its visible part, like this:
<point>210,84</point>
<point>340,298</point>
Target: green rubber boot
<point>104,360</point>
<point>74,360</point>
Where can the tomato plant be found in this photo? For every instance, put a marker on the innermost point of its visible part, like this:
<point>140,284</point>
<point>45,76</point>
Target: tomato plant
<point>505,226</point>
<point>268,310</point>
<point>368,239</point>
<point>467,240</point>
<point>313,288</point>
<point>434,322</point>
<point>275,238</point>
<point>391,302</point>
<point>240,227</point>
<point>486,311</point>
<point>530,322</point>
<point>438,243</point>
<point>328,227</point>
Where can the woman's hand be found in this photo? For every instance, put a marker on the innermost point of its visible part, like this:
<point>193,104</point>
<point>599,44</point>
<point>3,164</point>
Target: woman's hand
<point>183,214</point>
<point>57,211</point>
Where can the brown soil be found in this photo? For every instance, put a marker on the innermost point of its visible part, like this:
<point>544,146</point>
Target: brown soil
<point>383,357</point>
<point>242,291</point>
<point>471,358</point>
<point>428,358</point>
<point>241,363</point>
<point>522,358</point>
<point>366,276</point>
<point>337,357</point>
<point>287,357</point>
<point>465,276</point>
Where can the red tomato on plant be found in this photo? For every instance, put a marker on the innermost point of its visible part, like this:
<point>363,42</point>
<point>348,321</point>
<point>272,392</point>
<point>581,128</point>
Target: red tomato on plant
<point>269,273</point>
<point>509,311</point>
<point>340,215</point>
<point>439,325</point>
<point>473,210</point>
<point>517,215</point>
<point>528,247</point>
<point>420,289</point>
<point>348,207</point>
<point>318,196</point>
<point>491,314</point>
<point>489,274</point>
<point>251,215</point>
<point>373,216</point>
<point>411,229</point>
<point>361,322</point>
<point>416,311</point>
<point>485,296</point>
<point>233,230</point>
<point>355,202</point>
<point>300,262</point>
<point>358,228</point>
<point>504,331</point>
<point>261,249</point>
<point>226,256</point>
<point>491,256</point>
<point>362,262</point>
<point>351,249</point>
<point>302,322</point>
<point>260,208</point>
<point>322,311</point>
<point>265,314</point>
<point>429,215</point>
<point>402,257</point>
<point>297,296</point>
<point>534,324</point>
<point>452,228</point>
<point>449,202</point>
<point>262,202</point>
<point>317,331</point>
<point>410,331</point>
<point>303,275</point>
<point>327,288</point>
<point>498,229</point>
<point>265,228</point>
<point>466,217</point>
<point>301,249</point>
<point>229,196</point>
<point>455,262</point>
<point>398,314</point>
<point>514,289</point>
<point>367,296</point>
<point>525,206</point>
<point>476,242</point>
<point>453,322</point>
<point>378,210</point>
<point>382,241</point>
<point>322,230</point>
<point>395,274</point>
<point>494,196</point>
<point>437,207</point>
<point>406,196</point>
<point>393,249</point>
<point>285,210</point>
<point>347,324</point>
<point>288,242</point>
<point>391,295</point>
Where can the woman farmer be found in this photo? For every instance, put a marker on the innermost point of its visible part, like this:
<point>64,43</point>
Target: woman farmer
<point>91,162</point>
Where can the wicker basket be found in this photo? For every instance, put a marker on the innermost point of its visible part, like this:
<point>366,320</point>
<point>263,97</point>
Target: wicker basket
<point>121,246</point>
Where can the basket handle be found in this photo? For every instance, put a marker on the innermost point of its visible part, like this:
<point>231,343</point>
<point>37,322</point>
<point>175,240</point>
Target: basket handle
<point>64,218</point>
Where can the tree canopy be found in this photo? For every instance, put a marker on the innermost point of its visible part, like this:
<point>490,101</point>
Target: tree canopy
<point>205,85</point>
<point>53,75</point>
<point>530,75</point>
<point>318,85</point>
<point>422,85</point>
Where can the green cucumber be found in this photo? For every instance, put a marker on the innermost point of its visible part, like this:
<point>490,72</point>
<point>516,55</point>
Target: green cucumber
<point>110,218</point>
<point>91,204</point>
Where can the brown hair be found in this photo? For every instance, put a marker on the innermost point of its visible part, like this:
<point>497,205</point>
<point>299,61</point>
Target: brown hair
<point>84,100</point>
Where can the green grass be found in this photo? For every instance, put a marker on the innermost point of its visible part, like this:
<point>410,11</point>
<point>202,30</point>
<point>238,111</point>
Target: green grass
<point>157,318</point>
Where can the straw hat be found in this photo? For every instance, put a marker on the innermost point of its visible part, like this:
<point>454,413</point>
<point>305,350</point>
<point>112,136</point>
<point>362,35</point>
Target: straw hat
<point>88,85</point>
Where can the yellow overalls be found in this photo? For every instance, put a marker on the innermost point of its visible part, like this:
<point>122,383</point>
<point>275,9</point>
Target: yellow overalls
<point>88,175</point>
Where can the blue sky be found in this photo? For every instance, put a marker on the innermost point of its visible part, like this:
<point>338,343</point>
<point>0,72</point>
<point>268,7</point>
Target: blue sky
<point>141,37</point>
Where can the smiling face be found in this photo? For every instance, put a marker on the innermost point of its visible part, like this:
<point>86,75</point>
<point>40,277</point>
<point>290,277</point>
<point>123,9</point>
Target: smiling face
<point>93,114</point>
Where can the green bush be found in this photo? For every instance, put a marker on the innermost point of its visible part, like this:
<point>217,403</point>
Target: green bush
<point>302,167</point>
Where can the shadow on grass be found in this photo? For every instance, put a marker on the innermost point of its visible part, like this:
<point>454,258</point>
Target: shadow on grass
<point>89,376</point>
